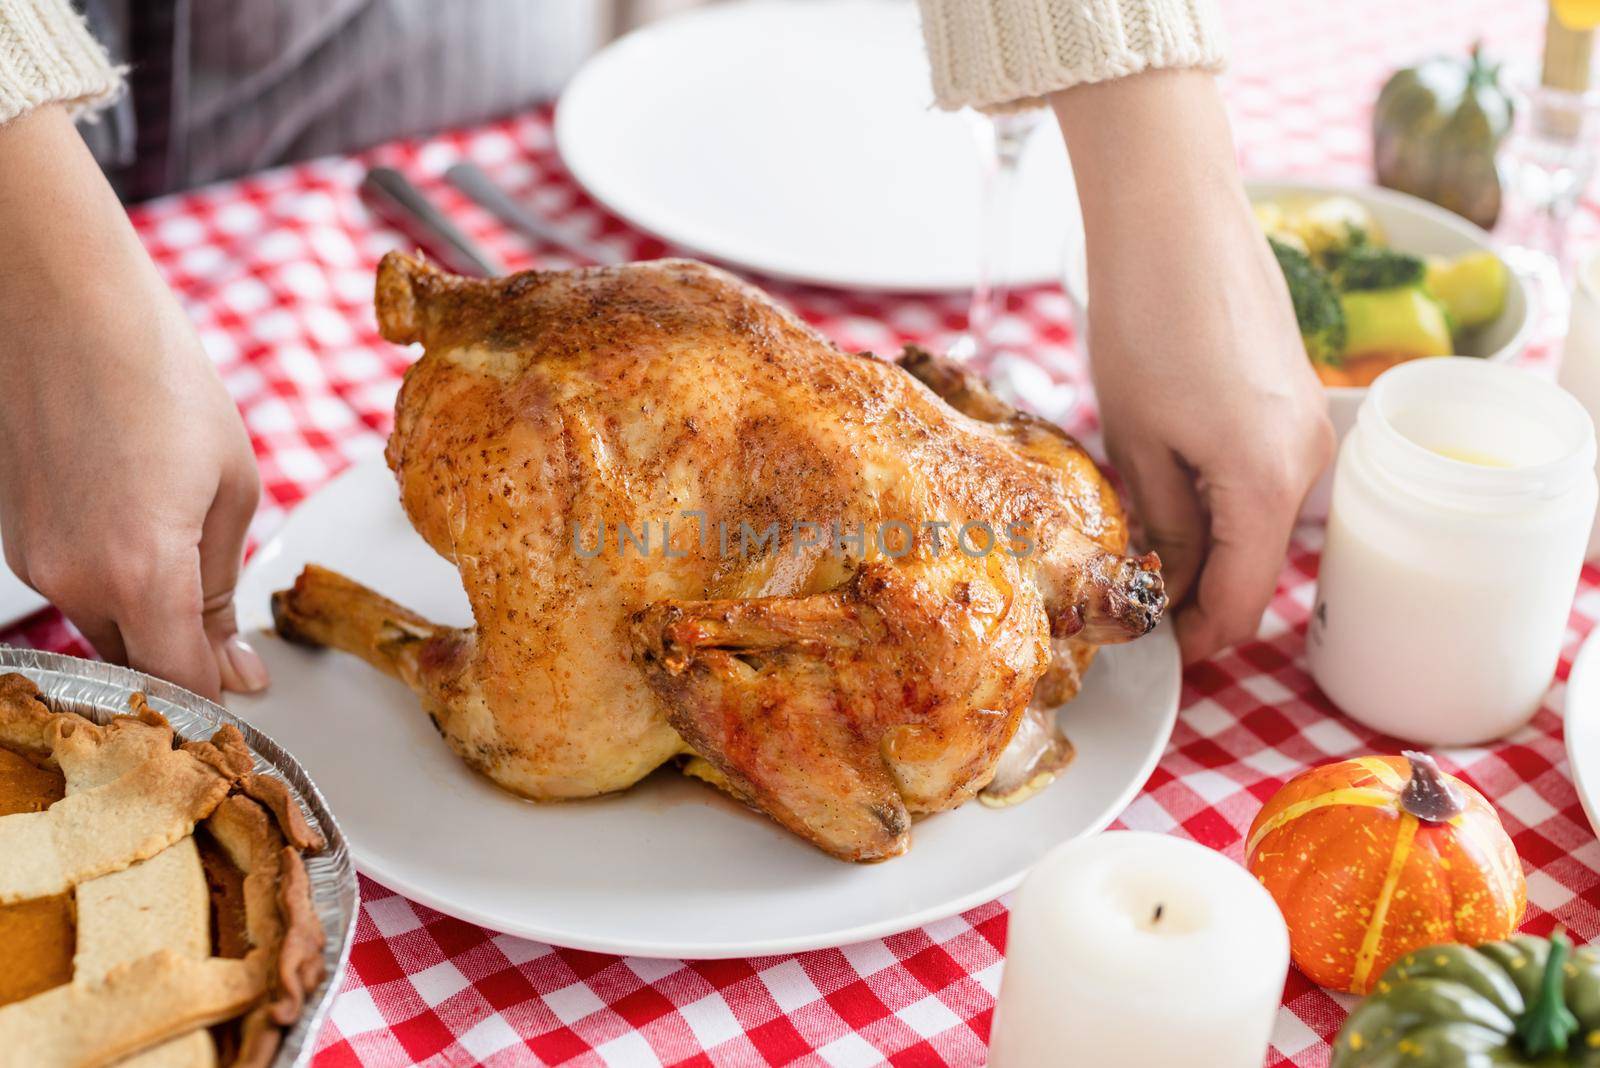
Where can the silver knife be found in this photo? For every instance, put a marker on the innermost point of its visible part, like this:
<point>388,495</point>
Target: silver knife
<point>395,192</point>
<point>468,178</point>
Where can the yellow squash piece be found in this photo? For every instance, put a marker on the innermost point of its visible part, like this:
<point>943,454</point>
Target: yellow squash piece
<point>1472,287</point>
<point>1403,322</point>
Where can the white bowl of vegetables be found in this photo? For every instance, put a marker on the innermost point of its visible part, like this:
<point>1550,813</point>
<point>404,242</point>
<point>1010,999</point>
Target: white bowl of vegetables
<point>1363,243</point>
<point>1378,278</point>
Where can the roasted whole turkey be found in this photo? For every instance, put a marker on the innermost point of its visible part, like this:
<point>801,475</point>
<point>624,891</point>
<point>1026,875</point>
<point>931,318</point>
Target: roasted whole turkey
<point>847,591</point>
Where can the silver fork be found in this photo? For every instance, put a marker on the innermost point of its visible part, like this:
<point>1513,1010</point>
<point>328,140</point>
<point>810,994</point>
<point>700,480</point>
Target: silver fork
<point>471,180</point>
<point>394,194</point>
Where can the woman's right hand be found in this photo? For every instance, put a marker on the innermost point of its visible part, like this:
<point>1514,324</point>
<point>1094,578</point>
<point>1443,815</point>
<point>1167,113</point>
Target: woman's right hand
<point>127,481</point>
<point>1212,413</point>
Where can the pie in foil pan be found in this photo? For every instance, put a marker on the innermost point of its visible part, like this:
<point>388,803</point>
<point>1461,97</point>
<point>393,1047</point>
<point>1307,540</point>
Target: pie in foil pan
<point>102,691</point>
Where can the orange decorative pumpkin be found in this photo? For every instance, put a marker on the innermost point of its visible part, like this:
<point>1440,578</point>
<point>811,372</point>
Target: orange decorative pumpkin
<point>1371,858</point>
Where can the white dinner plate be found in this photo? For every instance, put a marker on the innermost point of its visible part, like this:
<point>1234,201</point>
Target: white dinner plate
<point>670,868</point>
<point>1582,726</point>
<point>798,138</point>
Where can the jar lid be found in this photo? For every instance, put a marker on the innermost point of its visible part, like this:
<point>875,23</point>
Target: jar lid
<point>1472,433</point>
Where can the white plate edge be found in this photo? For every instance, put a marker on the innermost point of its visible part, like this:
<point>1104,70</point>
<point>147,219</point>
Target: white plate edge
<point>1581,722</point>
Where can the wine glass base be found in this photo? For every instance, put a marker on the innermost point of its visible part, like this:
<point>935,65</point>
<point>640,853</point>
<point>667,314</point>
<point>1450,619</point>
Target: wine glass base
<point>1548,285</point>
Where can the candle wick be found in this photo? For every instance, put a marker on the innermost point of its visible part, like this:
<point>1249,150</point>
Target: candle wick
<point>1160,908</point>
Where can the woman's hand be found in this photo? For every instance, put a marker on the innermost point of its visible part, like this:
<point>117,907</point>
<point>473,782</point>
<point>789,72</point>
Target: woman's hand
<point>1212,413</point>
<point>127,481</point>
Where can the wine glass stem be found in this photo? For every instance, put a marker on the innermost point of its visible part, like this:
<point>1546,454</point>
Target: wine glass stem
<point>1003,144</point>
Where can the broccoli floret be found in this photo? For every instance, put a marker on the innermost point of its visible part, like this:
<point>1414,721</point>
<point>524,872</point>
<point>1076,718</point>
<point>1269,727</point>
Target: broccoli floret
<point>1365,266</point>
<point>1316,304</point>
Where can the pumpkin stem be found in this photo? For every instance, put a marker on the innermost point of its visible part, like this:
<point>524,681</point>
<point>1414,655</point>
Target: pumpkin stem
<point>1480,72</point>
<point>1429,795</point>
<point>1548,1024</point>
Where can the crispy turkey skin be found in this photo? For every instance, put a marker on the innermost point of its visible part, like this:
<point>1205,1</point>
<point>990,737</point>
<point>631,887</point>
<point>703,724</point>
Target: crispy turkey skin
<point>840,684</point>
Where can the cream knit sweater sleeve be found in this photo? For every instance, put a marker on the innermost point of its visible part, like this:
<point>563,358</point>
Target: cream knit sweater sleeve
<point>989,54</point>
<point>48,57</point>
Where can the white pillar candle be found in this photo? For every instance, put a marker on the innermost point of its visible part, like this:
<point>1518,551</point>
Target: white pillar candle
<point>1141,951</point>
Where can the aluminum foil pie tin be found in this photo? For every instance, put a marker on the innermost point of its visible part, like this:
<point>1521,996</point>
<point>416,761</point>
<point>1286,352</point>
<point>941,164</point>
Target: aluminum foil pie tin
<point>100,691</point>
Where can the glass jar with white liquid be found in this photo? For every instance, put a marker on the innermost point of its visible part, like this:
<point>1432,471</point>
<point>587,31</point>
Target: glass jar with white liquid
<point>1462,502</point>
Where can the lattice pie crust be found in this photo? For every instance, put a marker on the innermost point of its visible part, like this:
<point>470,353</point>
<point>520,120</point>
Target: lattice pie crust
<point>145,984</point>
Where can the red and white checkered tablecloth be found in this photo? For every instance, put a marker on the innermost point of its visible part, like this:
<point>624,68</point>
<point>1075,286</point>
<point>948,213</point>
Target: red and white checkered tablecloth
<point>276,271</point>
